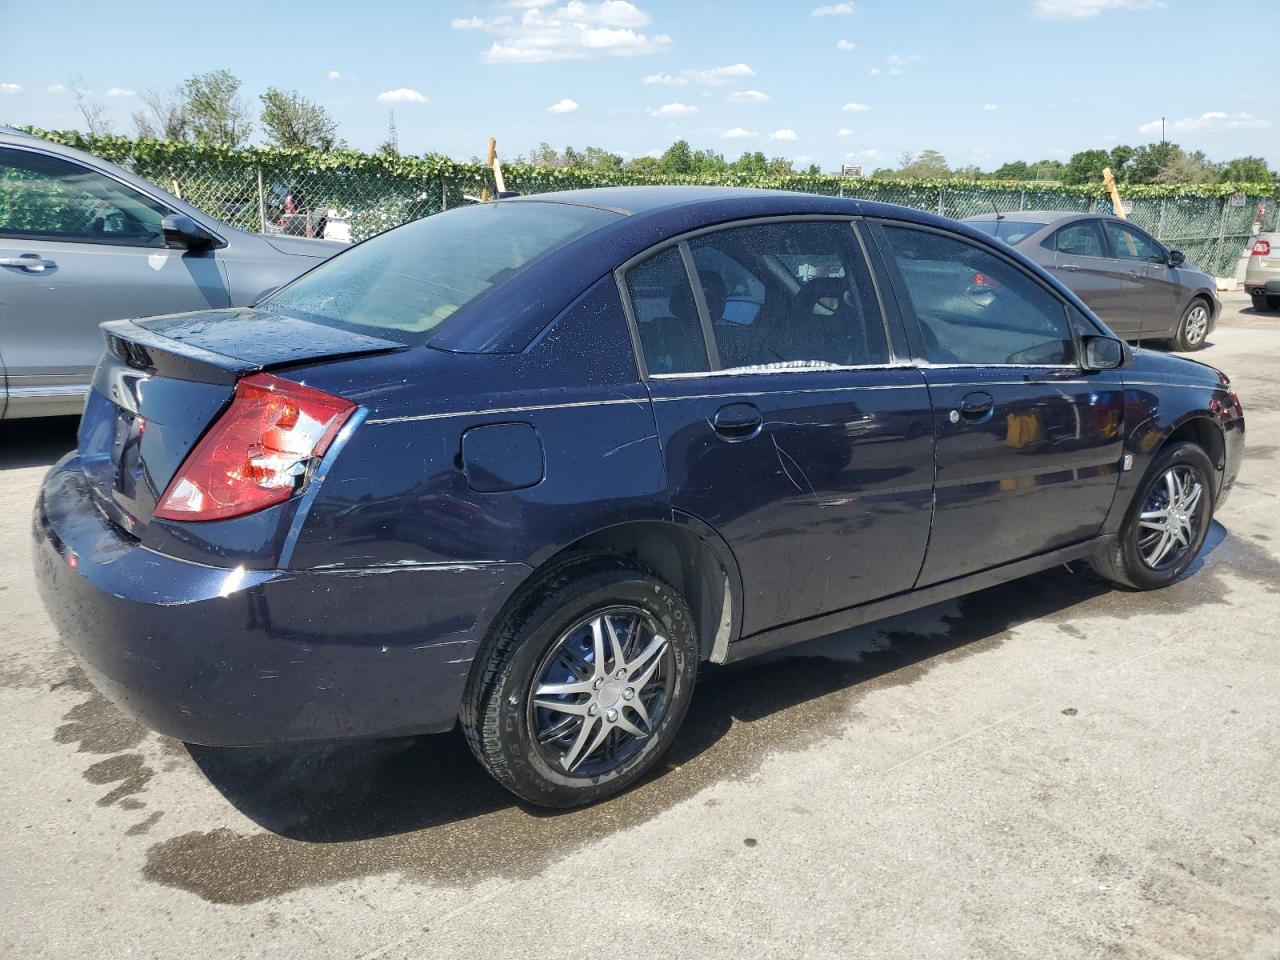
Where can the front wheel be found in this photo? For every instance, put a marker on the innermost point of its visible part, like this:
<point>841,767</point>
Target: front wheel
<point>1166,524</point>
<point>1193,328</point>
<point>584,684</point>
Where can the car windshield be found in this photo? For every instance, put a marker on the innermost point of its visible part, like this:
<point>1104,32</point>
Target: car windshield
<point>1010,231</point>
<point>406,282</point>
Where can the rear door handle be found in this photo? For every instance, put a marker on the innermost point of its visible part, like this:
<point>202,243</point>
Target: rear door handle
<point>1070,266</point>
<point>738,421</point>
<point>976,407</point>
<point>30,262</point>
<point>1133,275</point>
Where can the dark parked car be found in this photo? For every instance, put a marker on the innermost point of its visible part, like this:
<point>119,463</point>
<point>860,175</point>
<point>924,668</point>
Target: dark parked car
<point>1141,288</point>
<point>526,464</point>
<point>83,241</point>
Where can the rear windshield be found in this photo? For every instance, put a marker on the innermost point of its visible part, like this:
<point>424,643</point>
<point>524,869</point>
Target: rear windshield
<point>404,283</point>
<point>1010,231</point>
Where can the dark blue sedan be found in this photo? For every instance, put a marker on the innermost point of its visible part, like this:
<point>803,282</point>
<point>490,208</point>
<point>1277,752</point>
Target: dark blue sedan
<point>527,464</point>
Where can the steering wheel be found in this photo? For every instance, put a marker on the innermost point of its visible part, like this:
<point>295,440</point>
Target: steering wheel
<point>822,297</point>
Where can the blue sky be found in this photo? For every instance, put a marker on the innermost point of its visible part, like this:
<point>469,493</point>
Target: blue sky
<point>983,81</point>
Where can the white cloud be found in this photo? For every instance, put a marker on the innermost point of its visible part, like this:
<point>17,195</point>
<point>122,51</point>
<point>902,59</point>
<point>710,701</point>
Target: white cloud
<point>738,133</point>
<point>55,88</point>
<point>991,107</point>
<point>895,71</point>
<point>874,71</point>
<point>786,133</point>
<point>870,154</point>
<point>1081,9</point>
<point>844,132</point>
<point>855,108</point>
<point>121,92</point>
<point>673,110</point>
<point>898,60</point>
<point>845,45</point>
<point>10,88</point>
<point>714,77</point>
<point>833,10</point>
<point>747,96</point>
<point>563,106</point>
<point>575,31</point>
<point>1210,122</point>
<point>333,75</point>
<point>402,95</point>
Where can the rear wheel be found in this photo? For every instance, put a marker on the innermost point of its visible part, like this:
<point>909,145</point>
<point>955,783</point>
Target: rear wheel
<point>1273,303</point>
<point>1166,524</point>
<point>584,684</point>
<point>1193,327</point>
<point>1261,302</point>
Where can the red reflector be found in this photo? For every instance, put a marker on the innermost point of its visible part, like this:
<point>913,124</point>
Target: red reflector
<point>1262,248</point>
<point>257,453</point>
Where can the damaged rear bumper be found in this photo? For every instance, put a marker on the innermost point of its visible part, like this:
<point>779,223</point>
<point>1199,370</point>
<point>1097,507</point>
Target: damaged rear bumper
<point>234,657</point>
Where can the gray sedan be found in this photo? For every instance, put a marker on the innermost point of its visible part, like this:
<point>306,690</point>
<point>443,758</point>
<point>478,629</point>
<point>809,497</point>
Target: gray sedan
<point>1141,288</point>
<point>83,241</point>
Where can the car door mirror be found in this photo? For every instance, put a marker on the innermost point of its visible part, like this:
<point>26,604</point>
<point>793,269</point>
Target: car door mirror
<point>181,231</point>
<point>1176,258</point>
<point>1102,353</point>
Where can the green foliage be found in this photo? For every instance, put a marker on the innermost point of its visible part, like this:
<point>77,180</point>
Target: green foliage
<point>217,113</point>
<point>1086,167</point>
<point>293,122</point>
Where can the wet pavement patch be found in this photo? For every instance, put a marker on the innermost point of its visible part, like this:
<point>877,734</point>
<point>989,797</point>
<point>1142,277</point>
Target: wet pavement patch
<point>127,770</point>
<point>423,808</point>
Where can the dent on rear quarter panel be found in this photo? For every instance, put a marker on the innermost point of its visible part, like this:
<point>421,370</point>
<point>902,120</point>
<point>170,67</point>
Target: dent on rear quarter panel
<point>398,493</point>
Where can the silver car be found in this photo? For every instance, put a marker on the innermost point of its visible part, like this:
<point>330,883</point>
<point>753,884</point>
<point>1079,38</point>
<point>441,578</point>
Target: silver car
<point>83,241</point>
<point>1262,275</point>
<point>1141,288</point>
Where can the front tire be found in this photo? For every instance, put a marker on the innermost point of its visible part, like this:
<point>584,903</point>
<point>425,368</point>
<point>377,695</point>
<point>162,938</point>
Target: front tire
<point>584,684</point>
<point>1166,524</point>
<point>1193,328</point>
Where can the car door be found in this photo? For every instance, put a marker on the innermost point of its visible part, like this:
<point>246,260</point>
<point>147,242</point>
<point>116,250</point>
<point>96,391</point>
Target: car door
<point>1079,259</point>
<point>1132,253</point>
<point>1029,446</point>
<point>788,425</point>
<point>1147,262</point>
<point>78,247</point>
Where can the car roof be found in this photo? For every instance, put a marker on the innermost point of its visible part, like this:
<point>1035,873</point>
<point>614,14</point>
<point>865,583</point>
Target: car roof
<point>507,318</point>
<point>1042,217</point>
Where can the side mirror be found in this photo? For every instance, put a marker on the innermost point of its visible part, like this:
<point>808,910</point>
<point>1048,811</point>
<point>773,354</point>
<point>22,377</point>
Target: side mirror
<point>1102,353</point>
<point>1176,258</point>
<point>181,231</point>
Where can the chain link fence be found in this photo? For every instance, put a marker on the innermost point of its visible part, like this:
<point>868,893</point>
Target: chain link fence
<point>353,203</point>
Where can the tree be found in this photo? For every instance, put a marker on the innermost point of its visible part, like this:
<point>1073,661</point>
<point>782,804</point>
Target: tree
<point>1246,170</point>
<point>166,117</point>
<point>292,121</point>
<point>677,159</point>
<point>1185,167</point>
<point>601,159</point>
<point>928,164</point>
<point>1149,159</point>
<point>1120,157</point>
<point>1017,170</point>
<point>95,116</point>
<point>1086,167</point>
<point>218,114</point>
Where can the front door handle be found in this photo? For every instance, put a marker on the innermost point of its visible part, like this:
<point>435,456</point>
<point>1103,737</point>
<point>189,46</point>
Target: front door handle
<point>30,262</point>
<point>738,421</point>
<point>976,407</point>
<point>1133,275</point>
<point>1071,267</point>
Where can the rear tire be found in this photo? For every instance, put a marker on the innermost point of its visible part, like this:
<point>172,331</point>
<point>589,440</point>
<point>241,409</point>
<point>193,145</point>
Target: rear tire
<point>557,713</point>
<point>1131,560</point>
<point>1193,328</point>
<point>1273,304</point>
<point>1261,302</point>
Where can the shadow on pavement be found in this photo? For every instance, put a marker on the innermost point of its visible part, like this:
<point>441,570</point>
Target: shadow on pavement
<point>37,442</point>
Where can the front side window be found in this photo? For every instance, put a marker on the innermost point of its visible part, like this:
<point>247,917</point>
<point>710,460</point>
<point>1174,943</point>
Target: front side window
<point>1082,239</point>
<point>976,308</point>
<point>50,198</point>
<point>789,294</point>
<point>1129,244</point>
<point>404,283</point>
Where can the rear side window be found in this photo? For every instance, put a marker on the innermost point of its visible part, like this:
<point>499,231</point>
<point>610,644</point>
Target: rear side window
<point>404,283</point>
<point>976,308</point>
<point>45,197</point>
<point>1083,239</point>
<point>666,315</point>
<point>790,294</point>
<point>1011,232</point>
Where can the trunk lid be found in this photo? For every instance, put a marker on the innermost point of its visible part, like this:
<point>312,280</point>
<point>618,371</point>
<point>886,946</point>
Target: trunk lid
<point>161,382</point>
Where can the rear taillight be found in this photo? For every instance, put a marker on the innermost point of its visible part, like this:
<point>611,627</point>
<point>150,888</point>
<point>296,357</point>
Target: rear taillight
<point>982,280</point>
<point>1261,248</point>
<point>257,453</point>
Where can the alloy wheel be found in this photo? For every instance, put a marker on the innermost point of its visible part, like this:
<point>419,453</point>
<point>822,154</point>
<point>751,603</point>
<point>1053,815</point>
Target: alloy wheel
<point>601,690</point>
<point>1197,324</point>
<point>1170,519</point>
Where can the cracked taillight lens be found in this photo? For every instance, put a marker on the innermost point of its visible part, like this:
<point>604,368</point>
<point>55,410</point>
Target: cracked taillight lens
<point>257,453</point>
